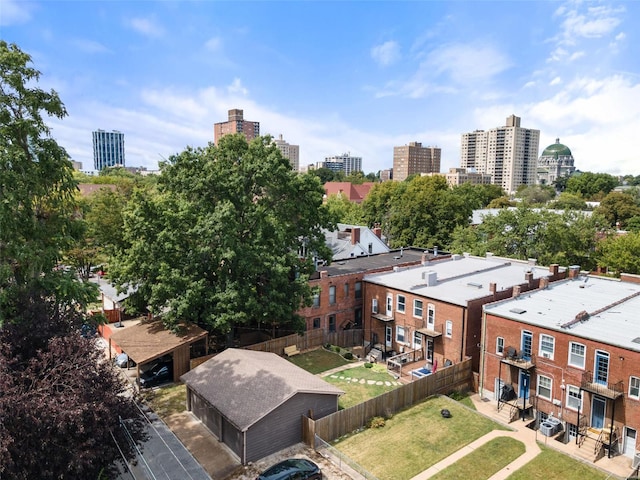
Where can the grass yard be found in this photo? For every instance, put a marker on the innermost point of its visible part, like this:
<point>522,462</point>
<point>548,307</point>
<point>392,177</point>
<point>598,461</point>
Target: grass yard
<point>168,400</point>
<point>553,465</point>
<point>415,439</point>
<point>319,360</point>
<point>484,461</point>
<point>356,384</point>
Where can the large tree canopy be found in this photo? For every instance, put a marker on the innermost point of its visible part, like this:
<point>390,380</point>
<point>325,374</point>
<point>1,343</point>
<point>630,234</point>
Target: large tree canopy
<point>591,186</point>
<point>219,243</point>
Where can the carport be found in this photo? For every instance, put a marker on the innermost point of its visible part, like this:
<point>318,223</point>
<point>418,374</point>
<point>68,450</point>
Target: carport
<point>150,340</point>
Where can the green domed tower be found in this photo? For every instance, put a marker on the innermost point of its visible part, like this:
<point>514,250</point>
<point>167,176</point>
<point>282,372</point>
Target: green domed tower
<point>556,161</point>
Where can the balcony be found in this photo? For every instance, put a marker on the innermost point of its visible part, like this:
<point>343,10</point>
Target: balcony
<point>518,359</point>
<point>611,391</point>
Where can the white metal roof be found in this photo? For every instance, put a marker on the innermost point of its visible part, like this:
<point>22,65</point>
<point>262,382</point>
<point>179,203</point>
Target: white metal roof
<point>459,279</point>
<point>612,307</point>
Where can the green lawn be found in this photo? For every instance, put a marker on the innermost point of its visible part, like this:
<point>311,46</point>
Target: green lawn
<point>318,361</point>
<point>167,400</point>
<point>553,465</point>
<point>484,461</point>
<point>415,439</point>
<point>356,384</point>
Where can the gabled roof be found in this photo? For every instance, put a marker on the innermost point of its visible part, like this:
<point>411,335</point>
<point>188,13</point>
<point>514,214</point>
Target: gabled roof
<point>149,340</point>
<point>245,385</point>
<point>353,192</point>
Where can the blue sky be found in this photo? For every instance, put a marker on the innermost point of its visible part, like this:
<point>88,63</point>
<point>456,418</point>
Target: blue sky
<point>341,76</point>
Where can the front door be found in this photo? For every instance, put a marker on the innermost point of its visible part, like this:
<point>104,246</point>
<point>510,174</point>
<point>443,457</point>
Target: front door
<point>523,390</point>
<point>630,435</point>
<point>601,367</point>
<point>598,406</point>
<point>388,336</point>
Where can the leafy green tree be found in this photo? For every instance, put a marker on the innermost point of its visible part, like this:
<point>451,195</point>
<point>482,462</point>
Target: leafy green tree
<point>58,402</point>
<point>501,202</point>
<point>219,243</point>
<point>567,238</point>
<point>326,175</point>
<point>618,208</point>
<point>478,196</point>
<point>620,253</point>
<point>536,194</point>
<point>568,201</point>
<point>560,183</point>
<point>376,207</point>
<point>344,211</point>
<point>591,186</point>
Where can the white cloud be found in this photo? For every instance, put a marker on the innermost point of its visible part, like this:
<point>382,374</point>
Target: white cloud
<point>576,55</point>
<point>467,63</point>
<point>14,12</point>
<point>386,53</point>
<point>590,22</point>
<point>213,44</point>
<point>89,46</point>
<point>555,81</point>
<point>146,26</point>
<point>236,87</point>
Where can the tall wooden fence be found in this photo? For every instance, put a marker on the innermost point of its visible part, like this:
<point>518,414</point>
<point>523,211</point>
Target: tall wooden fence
<point>311,339</point>
<point>340,423</point>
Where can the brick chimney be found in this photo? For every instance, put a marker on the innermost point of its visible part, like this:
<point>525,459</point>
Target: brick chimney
<point>355,235</point>
<point>544,283</point>
<point>516,291</point>
<point>324,274</point>
<point>554,268</point>
<point>528,277</point>
<point>377,231</point>
<point>492,287</point>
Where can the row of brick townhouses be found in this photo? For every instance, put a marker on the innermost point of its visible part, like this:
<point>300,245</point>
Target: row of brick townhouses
<point>339,287</point>
<point>434,309</point>
<point>570,350</point>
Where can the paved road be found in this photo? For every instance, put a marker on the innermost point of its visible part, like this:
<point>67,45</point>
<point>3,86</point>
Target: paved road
<point>162,457</point>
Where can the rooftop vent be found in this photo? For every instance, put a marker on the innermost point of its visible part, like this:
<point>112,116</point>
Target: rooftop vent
<point>474,284</point>
<point>518,310</point>
<point>636,340</point>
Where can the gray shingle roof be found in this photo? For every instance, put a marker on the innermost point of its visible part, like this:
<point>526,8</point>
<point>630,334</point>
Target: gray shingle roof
<point>246,385</point>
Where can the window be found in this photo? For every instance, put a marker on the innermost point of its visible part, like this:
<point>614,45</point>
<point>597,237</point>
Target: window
<point>417,308</point>
<point>634,387</point>
<point>544,387</point>
<point>316,322</point>
<point>332,294</point>
<point>316,299</point>
<point>332,323</point>
<point>431,316</point>
<point>499,345</point>
<point>357,318</point>
<point>400,334</point>
<point>346,290</point>
<point>448,328</point>
<point>374,305</point>
<point>358,290</point>
<point>577,353</point>
<point>417,340</point>
<point>574,399</point>
<point>400,303</point>
<point>389,304</point>
<point>547,343</point>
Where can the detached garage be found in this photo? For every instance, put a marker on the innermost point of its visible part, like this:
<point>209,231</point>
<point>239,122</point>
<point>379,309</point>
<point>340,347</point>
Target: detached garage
<point>254,401</point>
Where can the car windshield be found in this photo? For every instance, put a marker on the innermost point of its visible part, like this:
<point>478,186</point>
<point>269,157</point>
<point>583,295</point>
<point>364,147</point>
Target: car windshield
<point>294,464</point>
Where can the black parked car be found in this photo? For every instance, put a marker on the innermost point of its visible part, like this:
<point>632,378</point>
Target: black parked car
<point>292,469</point>
<point>157,374</point>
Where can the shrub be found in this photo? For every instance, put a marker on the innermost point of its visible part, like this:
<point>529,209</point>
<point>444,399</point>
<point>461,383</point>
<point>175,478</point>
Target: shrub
<point>327,346</point>
<point>456,395</point>
<point>348,355</point>
<point>368,365</point>
<point>336,349</point>
<point>376,422</point>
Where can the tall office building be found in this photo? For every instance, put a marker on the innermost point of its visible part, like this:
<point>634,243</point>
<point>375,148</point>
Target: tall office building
<point>342,163</point>
<point>108,149</point>
<point>509,154</point>
<point>236,124</point>
<point>291,152</point>
<point>414,158</point>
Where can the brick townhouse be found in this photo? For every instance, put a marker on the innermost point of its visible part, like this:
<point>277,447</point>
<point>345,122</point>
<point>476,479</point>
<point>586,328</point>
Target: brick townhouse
<point>571,351</point>
<point>434,309</point>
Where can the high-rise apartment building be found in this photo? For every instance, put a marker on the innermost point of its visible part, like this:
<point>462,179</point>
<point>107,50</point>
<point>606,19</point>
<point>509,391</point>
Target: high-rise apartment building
<point>342,163</point>
<point>108,149</point>
<point>509,154</point>
<point>414,158</point>
<point>291,152</point>
<point>236,124</point>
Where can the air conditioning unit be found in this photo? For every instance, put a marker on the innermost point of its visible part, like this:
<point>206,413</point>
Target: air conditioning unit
<point>374,305</point>
<point>546,354</point>
<point>636,460</point>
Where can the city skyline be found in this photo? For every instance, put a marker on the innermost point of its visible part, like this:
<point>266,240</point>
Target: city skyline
<point>361,77</point>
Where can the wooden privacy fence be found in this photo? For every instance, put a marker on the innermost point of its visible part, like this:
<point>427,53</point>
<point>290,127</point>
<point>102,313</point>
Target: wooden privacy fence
<point>311,339</point>
<point>340,423</point>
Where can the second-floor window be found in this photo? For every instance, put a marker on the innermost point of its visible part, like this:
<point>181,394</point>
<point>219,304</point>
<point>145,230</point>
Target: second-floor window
<point>448,328</point>
<point>431,316</point>
<point>417,308</point>
<point>547,343</point>
<point>316,299</point>
<point>499,345</point>
<point>358,289</point>
<point>577,353</point>
<point>544,387</point>
<point>400,303</point>
<point>332,294</point>
<point>634,387</point>
<point>400,337</point>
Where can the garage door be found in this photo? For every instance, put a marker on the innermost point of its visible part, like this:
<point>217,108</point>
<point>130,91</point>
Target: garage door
<point>206,413</point>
